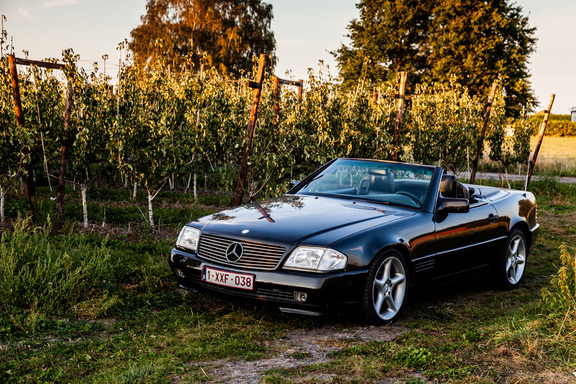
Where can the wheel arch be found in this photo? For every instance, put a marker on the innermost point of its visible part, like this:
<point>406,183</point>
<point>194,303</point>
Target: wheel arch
<point>401,248</point>
<point>523,227</point>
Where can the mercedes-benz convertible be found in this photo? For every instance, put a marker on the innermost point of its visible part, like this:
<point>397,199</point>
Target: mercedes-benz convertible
<point>359,235</point>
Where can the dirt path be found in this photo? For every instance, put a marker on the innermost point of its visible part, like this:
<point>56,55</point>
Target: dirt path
<point>300,348</point>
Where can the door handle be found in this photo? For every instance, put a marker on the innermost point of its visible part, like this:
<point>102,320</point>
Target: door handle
<point>492,218</point>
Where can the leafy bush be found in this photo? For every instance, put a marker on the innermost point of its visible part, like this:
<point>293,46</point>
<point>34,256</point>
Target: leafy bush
<point>558,125</point>
<point>560,298</point>
<point>551,332</point>
<point>44,276</point>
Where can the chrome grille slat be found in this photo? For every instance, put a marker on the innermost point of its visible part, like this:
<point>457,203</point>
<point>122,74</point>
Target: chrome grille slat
<point>256,255</point>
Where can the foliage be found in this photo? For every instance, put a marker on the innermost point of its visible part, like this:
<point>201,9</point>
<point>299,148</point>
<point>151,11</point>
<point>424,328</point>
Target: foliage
<point>555,126</point>
<point>224,34</point>
<point>389,37</point>
<point>560,298</point>
<point>159,127</point>
<point>476,42</point>
<point>94,110</point>
<point>550,330</point>
<point>11,154</point>
<point>47,278</point>
<point>444,125</point>
<point>508,140</point>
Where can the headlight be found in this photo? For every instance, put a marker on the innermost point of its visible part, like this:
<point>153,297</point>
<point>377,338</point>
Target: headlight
<point>316,259</point>
<point>188,238</point>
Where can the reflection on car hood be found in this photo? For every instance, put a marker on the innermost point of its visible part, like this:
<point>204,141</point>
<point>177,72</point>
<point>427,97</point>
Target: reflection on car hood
<point>292,219</point>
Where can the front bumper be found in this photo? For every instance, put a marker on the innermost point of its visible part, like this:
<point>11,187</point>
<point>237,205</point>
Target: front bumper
<point>325,292</point>
<point>535,231</point>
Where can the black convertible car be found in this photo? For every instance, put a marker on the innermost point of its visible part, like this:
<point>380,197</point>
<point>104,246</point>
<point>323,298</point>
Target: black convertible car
<point>359,234</point>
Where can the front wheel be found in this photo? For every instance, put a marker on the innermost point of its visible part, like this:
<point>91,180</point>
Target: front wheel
<point>386,289</point>
<point>512,263</point>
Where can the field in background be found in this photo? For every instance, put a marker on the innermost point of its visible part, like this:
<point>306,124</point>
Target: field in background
<point>555,148</point>
<point>557,156</point>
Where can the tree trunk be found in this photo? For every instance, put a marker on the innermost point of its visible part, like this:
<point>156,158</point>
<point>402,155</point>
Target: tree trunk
<point>188,183</point>
<point>195,189</point>
<point>2,217</point>
<point>83,189</point>
<point>150,213</point>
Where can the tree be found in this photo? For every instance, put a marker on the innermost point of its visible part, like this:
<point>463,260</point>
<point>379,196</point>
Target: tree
<point>389,37</point>
<point>475,41</point>
<point>225,34</point>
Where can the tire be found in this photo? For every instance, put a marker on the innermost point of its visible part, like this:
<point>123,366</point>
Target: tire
<point>386,289</point>
<point>512,264</point>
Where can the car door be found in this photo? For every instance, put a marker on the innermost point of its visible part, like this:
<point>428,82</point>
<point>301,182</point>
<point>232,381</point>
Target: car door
<point>465,241</point>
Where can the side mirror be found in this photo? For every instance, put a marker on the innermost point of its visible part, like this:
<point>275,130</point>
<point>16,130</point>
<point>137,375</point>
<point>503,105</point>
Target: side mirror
<point>452,205</point>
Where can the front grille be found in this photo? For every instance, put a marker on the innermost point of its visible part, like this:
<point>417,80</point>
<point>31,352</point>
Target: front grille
<point>256,255</point>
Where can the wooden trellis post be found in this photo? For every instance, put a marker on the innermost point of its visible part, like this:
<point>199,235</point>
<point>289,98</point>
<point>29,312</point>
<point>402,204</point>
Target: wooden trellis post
<point>66,139</point>
<point>20,121</point>
<point>539,142</point>
<point>399,114</point>
<point>480,143</point>
<point>276,93</point>
<point>257,85</point>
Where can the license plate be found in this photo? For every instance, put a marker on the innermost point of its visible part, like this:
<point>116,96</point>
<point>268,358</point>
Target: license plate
<point>228,279</point>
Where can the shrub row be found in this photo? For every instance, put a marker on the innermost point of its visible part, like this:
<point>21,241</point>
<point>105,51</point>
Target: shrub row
<point>558,125</point>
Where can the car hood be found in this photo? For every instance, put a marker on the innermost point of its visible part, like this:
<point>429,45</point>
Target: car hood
<point>294,219</point>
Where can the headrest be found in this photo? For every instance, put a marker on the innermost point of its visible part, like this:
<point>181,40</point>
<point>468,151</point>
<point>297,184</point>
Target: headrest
<point>448,185</point>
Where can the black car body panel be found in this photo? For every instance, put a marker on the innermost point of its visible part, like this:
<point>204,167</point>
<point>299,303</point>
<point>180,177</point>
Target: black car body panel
<point>442,234</point>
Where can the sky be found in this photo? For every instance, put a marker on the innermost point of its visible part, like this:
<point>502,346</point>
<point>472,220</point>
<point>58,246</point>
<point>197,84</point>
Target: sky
<point>305,30</point>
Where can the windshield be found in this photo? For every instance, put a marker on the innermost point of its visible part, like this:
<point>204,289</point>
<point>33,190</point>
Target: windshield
<point>390,183</point>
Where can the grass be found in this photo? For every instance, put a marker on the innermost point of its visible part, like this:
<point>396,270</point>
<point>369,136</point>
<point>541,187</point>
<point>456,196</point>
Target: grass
<point>141,328</point>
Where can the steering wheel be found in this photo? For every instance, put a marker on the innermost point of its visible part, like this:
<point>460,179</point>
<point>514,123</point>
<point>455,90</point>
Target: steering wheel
<point>412,196</point>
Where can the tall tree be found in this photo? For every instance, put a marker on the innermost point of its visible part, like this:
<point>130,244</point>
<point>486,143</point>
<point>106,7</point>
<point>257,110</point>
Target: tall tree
<point>389,37</point>
<point>225,34</point>
<point>475,41</point>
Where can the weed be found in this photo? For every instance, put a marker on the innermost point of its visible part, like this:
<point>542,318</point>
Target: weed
<point>560,297</point>
<point>43,277</point>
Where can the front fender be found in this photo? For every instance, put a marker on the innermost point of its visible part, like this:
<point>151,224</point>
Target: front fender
<point>414,234</point>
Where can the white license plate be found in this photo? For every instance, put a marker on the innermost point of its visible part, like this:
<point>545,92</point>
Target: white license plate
<point>228,279</point>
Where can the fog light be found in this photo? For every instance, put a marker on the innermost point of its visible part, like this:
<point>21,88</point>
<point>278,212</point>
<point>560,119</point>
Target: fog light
<point>300,296</point>
<point>179,273</point>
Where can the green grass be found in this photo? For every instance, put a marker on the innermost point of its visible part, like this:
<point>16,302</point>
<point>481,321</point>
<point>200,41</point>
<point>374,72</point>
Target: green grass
<point>151,332</point>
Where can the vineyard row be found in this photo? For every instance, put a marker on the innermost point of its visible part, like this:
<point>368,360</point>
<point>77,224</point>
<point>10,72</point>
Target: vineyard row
<point>157,127</point>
